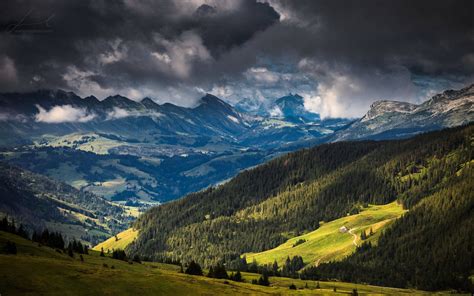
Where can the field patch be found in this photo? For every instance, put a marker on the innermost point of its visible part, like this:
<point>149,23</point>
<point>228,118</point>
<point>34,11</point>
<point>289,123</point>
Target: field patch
<point>333,240</point>
<point>120,241</point>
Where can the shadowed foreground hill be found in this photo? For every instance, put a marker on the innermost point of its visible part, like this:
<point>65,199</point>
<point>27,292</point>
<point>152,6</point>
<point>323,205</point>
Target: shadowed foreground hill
<point>40,270</point>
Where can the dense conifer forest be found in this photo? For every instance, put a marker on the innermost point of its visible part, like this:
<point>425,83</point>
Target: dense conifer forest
<point>429,248</point>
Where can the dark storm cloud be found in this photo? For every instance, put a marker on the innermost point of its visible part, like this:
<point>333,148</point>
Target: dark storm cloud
<point>430,37</point>
<point>116,43</point>
<point>361,51</point>
<point>348,52</point>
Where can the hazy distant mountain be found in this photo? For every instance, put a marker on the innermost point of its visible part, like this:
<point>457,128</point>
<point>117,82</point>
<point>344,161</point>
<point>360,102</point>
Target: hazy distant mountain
<point>252,106</point>
<point>289,108</point>
<point>292,109</point>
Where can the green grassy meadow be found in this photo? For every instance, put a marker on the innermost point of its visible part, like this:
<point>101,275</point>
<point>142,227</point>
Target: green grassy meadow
<point>40,270</point>
<point>328,243</point>
<point>124,239</point>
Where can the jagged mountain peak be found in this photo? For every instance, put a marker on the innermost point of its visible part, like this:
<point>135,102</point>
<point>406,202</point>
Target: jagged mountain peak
<point>452,94</point>
<point>291,98</point>
<point>292,108</point>
<point>147,100</point>
<point>149,103</point>
<point>91,99</point>
<point>116,98</point>
<point>214,104</point>
<point>120,101</point>
<point>212,99</point>
<point>384,106</point>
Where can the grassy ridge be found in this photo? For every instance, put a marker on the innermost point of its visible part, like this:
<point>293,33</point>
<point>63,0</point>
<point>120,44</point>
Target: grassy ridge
<point>124,239</point>
<point>328,243</point>
<point>43,271</point>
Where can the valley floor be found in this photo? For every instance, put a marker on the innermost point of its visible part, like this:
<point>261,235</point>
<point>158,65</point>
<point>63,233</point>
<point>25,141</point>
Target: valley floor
<point>41,270</point>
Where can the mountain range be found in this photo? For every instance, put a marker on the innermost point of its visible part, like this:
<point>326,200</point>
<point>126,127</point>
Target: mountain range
<point>141,152</point>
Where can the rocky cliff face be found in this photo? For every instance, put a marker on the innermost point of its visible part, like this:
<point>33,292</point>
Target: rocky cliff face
<point>389,119</point>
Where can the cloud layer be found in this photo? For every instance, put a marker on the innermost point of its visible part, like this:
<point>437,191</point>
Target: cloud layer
<point>339,55</point>
<point>64,113</point>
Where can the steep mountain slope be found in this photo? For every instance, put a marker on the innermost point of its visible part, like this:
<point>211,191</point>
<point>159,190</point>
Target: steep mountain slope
<point>39,202</point>
<point>387,119</point>
<point>263,207</point>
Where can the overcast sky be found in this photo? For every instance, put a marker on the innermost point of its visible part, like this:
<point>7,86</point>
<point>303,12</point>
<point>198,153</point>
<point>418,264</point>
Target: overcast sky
<point>339,55</point>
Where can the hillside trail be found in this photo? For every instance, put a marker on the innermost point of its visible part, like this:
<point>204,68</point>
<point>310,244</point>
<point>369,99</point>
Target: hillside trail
<point>355,237</point>
<point>354,241</point>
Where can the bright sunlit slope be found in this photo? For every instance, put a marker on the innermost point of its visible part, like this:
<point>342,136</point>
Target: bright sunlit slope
<point>334,240</point>
<point>120,241</point>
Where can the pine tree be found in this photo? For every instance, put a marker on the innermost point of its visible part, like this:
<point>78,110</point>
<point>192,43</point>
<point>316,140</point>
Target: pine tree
<point>237,276</point>
<point>263,280</point>
<point>275,267</point>
<point>10,248</point>
<point>69,251</point>
<point>218,271</point>
<point>253,266</point>
<point>136,258</point>
<point>211,272</point>
<point>194,269</point>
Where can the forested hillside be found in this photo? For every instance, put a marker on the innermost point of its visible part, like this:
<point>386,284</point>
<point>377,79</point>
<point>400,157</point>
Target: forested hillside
<point>39,202</point>
<point>262,207</point>
<point>430,248</point>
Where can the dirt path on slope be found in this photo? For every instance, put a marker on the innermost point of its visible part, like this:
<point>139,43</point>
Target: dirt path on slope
<point>355,237</point>
<point>354,241</point>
